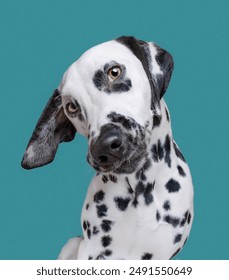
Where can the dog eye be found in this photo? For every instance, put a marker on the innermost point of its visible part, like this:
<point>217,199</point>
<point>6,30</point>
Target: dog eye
<point>114,72</point>
<point>72,108</point>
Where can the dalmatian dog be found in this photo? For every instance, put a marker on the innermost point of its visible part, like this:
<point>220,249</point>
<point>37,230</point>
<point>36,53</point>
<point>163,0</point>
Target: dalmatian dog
<point>139,204</point>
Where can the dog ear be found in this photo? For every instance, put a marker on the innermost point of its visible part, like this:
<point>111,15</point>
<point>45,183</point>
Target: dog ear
<point>157,63</point>
<point>52,128</point>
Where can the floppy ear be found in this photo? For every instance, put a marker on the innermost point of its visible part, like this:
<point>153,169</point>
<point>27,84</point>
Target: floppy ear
<point>52,128</point>
<point>157,63</point>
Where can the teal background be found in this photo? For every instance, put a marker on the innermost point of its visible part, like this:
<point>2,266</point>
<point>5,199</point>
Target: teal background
<point>40,209</point>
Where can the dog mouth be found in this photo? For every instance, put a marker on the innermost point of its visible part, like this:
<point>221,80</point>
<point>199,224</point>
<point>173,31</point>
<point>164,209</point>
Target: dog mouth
<point>127,164</point>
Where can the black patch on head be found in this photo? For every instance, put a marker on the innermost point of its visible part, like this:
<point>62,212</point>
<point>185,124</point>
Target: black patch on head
<point>99,79</point>
<point>105,179</point>
<point>177,251</point>
<point>181,171</point>
<point>101,210</point>
<point>177,238</point>
<point>147,256</point>
<point>95,230</point>
<point>113,178</point>
<point>102,82</point>
<point>122,203</point>
<point>99,196</point>
<point>89,233</point>
<point>167,205</point>
<point>167,147</point>
<point>156,121</point>
<point>141,50</point>
<point>174,221</point>
<point>178,152</point>
<point>106,225</point>
<point>172,186</point>
<point>158,216</point>
<point>148,193</point>
<point>106,240</point>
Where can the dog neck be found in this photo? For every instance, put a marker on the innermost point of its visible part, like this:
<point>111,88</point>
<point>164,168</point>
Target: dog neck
<point>159,150</point>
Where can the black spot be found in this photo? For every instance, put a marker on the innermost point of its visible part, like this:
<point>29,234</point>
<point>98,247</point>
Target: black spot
<point>167,205</point>
<point>122,203</point>
<point>87,206</point>
<point>172,186</point>
<point>121,87</point>
<point>84,225</point>
<point>156,120</point>
<point>127,123</point>
<point>140,174</point>
<point>100,257</point>
<point>147,164</point>
<point>147,256</point>
<point>89,233</point>
<point>160,150</point>
<point>113,178</point>
<point>106,240</point>
<point>154,153</point>
<point>189,218</point>
<point>167,147</point>
<point>167,114</point>
<point>88,224</point>
<point>95,230</point>
<point>158,216</point>
<point>181,171</point>
<point>138,191</point>
<point>148,193</point>
<point>130,190</point>
<point>177,251</point>
<point>183,221</point>
<point>177,238</point>
<point>157,151</point>
<point>99,79</point>
<point>90,258</point>
<point>107,253</point>
<point>106,225</point>
<point>105,179</point>
<point>101,210</point>
<point>172,220</point>
<point>178,152</point>
<point>99,196</point>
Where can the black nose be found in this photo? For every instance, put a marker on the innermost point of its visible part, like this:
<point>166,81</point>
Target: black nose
<point>107,148</point>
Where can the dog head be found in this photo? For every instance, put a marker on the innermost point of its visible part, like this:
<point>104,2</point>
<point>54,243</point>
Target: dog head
<point>111,95</point>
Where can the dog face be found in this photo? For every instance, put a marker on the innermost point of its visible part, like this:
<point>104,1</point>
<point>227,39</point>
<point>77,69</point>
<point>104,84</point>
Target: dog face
<point>111,95</point>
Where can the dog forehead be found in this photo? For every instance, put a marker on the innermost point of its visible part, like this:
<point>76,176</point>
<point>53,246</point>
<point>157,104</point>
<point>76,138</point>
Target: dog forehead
<point>106,52</point>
